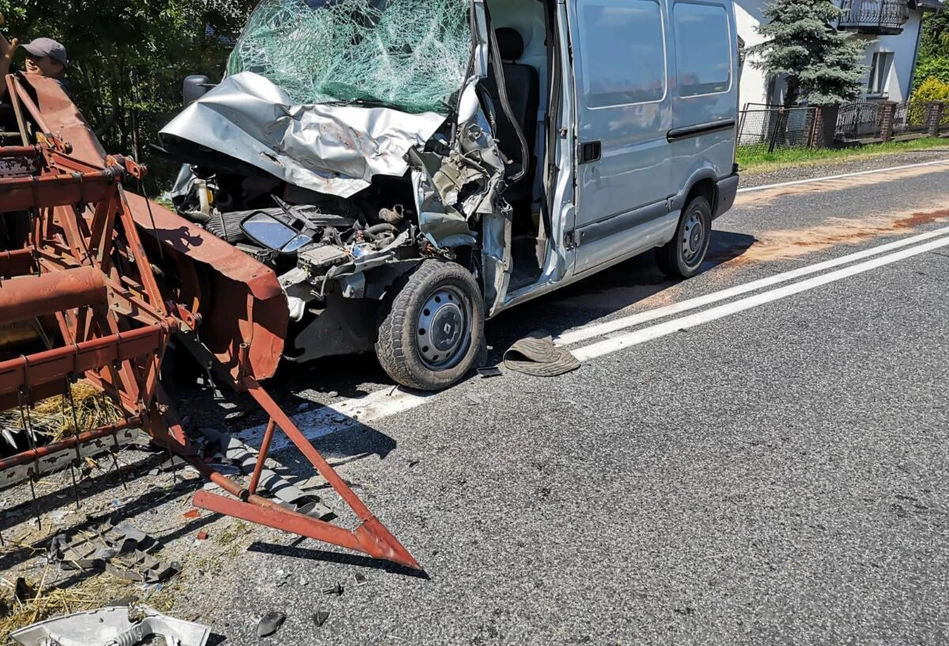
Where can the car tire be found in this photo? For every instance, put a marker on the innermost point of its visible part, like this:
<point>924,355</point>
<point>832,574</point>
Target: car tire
<point>431,332</point>
<point>682,257</point>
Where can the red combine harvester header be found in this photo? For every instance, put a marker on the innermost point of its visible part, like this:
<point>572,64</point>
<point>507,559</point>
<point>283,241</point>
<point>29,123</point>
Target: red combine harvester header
<point>121,276</point>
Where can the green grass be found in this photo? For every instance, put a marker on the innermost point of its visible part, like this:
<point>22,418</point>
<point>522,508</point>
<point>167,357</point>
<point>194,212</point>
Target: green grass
<point>754,159</point>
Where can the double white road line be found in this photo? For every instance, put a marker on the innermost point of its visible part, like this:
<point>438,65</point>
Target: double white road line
<point>615,335</point>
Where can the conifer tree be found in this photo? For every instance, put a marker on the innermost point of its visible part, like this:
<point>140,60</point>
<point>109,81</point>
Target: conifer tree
<point>823,66</point>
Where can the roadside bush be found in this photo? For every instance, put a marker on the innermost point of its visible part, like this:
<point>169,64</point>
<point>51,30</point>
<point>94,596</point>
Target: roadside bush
<point>932,89</point>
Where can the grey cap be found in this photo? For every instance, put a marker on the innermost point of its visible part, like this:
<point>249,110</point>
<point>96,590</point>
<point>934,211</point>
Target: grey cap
<point>47,47</point>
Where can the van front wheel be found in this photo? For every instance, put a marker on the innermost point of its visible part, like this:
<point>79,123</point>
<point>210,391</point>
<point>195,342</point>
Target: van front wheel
<point>683,256</point>
<point>432,330</point>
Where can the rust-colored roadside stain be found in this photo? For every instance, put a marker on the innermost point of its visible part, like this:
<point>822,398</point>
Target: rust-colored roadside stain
<point>759,199</point>
<point>790,244</point>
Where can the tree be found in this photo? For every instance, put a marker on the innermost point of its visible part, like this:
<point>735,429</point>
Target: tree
<point>933,49</point>
<point>822,65</point>
<point>129,57</point>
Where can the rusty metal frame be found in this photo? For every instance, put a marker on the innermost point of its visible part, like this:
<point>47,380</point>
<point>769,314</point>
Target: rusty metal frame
<point>86,264</point>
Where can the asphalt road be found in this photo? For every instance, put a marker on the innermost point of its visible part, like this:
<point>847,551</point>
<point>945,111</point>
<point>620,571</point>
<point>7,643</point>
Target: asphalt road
<point>778,474</point>
<point>755,456</point>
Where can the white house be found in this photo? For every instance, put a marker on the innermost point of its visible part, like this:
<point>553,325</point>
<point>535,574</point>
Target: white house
<point>892,29</point>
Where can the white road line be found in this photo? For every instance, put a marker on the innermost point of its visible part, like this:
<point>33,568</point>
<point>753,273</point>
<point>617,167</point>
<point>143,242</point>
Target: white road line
<point>343,416</point>
<point>843,176</point>
<point>648,334</point>
<point>607,327</point>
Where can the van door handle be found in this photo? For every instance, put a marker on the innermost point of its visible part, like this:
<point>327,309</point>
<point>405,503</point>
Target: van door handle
<point>590,151</point>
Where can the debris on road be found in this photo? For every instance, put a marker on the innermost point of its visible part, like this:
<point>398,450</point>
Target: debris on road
<point>122,551</point>
<point>244,459</point>
<point>270,623</point>
<point>320,617</point>
<point>334,590</point>
<point>125,626</point>
<point>489,372</point>
<point>537,356</point>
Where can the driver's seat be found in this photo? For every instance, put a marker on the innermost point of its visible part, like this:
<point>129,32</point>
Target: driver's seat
<point>522,83</point>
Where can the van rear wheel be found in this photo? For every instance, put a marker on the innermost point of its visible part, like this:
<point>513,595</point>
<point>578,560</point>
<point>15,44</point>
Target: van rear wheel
<point>432,330</point>
<point>682,257</point>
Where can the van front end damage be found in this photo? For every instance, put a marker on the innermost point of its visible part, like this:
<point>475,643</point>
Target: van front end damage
<point>346,194</point>
<point>114,280</point>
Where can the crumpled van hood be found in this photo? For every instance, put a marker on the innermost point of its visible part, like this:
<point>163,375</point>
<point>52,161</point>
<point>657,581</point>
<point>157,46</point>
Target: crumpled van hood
<point>332,149</point>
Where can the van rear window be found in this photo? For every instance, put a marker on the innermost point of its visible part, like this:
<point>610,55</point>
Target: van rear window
<point>622,52</point>
<point>703,48</point>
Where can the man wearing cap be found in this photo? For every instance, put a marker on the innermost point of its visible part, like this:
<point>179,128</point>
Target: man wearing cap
<point>44,57</point>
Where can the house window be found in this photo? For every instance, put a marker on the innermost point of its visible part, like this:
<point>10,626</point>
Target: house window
<point>879,73</point>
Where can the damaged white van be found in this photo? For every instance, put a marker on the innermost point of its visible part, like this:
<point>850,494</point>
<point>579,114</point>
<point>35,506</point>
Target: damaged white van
<point>410,168</point>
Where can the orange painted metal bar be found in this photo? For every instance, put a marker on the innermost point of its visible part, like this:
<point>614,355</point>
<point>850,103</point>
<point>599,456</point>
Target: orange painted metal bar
<point>61,363</point>
<point>262,456</point>
<point>21,151</point>
<point>26,297</point>
<point>22,193</point>
<point>16,262</point>
<point>374,538</point>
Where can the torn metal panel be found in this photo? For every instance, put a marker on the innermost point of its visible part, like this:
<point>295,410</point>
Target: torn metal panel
<point>331,149</point>
<point>451,190</point>
<point>440,222</point>
<point>496,255</point>
<point>113,625</point>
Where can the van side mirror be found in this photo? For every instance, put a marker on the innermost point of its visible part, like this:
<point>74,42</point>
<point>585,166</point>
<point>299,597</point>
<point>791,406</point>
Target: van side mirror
<point>195,87</point>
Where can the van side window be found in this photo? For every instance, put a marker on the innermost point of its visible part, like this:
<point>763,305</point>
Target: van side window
<point>703,48</point>
<point>623,54</point>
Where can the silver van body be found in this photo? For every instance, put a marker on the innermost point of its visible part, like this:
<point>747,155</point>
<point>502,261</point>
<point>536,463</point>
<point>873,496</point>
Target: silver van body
<point>625,196</point>
<point>585,132</point>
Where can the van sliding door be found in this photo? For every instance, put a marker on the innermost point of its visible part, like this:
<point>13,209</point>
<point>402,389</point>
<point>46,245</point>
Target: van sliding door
<point>623,113</point>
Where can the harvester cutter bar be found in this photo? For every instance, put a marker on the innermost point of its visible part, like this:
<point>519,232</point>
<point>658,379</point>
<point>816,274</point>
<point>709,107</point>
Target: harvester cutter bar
<point>84,264</point>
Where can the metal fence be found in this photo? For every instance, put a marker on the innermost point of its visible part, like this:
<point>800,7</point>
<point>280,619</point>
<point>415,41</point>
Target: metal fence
<point>857,121</point>
<point>766,129</point>
<point>911,117</point>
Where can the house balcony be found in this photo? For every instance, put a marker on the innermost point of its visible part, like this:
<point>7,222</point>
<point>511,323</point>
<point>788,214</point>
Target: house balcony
<point>878,17</point>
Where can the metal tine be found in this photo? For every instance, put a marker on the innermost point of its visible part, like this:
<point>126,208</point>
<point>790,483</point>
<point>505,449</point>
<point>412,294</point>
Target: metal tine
<point>28,429</point>
<point>75,422</point>
<point>115,461</point>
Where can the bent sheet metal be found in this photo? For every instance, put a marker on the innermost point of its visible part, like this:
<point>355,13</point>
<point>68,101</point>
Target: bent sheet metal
<point>329,148</point>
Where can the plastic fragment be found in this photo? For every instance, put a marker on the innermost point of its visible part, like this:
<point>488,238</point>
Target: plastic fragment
<point>270,623</point>
<point>336,589</point>
<point>320,617</point>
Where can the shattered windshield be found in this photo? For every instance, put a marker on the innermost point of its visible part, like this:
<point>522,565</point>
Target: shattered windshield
<point>411,55</point>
